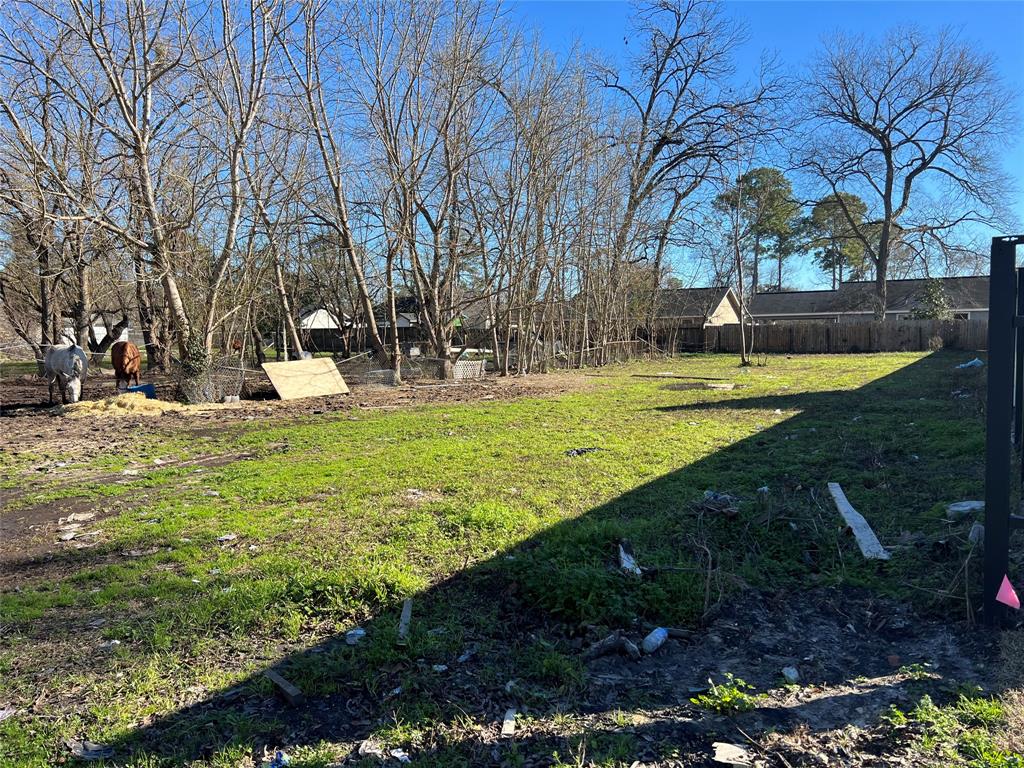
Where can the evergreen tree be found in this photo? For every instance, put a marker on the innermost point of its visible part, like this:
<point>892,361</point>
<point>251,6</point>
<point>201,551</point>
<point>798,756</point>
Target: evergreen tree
<point>834,243</point>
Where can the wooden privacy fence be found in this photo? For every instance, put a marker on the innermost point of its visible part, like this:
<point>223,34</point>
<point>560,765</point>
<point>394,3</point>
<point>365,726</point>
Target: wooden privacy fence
<point>821,337</point>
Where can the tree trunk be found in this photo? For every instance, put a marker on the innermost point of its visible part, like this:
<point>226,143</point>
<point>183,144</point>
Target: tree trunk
<point>164,338</point>
<point>147,314</point>
<point>82,309</point>
<point>396,347</point>
<point>756,276</point>
<point>744,356</point>
<point>45,281</point>
<point>257,339</point>
<point>659,256</point>
<point>99,348</point>
<point>158,248</point>
<point>881,270</point>
<point>880,295</point>
<point>286,311</point>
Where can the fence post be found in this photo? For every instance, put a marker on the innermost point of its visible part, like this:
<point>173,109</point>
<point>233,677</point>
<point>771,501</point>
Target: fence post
<point>999,407</point>
<point>1018,377</point>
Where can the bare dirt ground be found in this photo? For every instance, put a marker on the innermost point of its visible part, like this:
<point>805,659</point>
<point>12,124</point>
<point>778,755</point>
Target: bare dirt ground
<point>23,399</point>
<point>856,654</point>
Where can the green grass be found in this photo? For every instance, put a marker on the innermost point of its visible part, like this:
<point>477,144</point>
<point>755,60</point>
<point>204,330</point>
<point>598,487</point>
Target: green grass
<point>477,512</point>
<point>958,734</point>
<point>17,368</point>
<point>728,698</point>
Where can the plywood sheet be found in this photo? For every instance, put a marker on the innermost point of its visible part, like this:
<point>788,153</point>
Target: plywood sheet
<point>306,378</point>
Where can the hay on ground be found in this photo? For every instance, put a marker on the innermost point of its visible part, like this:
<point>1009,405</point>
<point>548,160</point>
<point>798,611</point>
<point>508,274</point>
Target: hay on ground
<point>128,404</point>
<point>134,404</point>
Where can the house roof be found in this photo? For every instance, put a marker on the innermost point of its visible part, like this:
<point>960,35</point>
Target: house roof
<point>961,292</point>
<point>404,305</point>
<point>477,314</point>
<point>793,303</point>
<point>320,318</point>
<point>857,296</point>
<point>690,302</point>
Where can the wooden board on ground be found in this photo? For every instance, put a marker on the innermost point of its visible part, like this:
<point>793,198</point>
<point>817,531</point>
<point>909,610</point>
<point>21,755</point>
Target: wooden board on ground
<point>291,693</point>
<point>869,545</point>
<point>403,622</point>
<point>306,378</point>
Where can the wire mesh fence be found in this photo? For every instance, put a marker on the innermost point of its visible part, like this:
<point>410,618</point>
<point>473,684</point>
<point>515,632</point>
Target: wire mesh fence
<point>365,368</point>
<point>424,368</point>
<point>225,376</point>
<point>370,369</point>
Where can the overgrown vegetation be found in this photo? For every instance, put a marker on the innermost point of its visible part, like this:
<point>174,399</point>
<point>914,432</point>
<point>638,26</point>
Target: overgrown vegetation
<point>957,734</point>
<point>462,176</point>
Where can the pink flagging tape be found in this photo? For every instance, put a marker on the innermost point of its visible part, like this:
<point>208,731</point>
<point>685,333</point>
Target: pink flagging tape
<point>1007,595</point>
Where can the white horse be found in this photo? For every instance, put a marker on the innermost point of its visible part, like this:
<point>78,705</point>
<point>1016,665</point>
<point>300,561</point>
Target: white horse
<point>66,365</point>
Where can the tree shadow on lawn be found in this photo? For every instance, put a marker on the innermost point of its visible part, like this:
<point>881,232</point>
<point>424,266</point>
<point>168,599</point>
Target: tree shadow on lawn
<point>776,584</point>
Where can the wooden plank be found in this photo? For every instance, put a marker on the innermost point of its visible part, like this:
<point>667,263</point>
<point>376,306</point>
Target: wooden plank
<point>403,623</point>
<point>290,692</point>
<point>296,379</point>
<point>869,545</point>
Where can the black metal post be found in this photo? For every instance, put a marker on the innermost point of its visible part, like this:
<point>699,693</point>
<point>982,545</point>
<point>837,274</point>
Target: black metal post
<point>1018,371</point>
<point>1002,309</point>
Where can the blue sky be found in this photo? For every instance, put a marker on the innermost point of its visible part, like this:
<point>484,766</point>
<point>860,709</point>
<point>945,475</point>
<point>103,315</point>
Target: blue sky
<point>794,30</point>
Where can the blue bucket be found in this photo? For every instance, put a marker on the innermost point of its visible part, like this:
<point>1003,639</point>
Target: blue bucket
<point>149,390</point>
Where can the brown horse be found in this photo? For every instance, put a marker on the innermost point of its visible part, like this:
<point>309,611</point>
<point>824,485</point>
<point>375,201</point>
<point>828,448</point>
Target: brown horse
<point>127,362</point>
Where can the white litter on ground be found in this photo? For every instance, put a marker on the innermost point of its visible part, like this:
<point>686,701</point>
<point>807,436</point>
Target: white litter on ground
<point>869,545</point>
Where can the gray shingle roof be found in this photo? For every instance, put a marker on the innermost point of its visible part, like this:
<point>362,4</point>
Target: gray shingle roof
<point>690,302</point>
<point>901,296</point>
<point>793,303</point>
<point>905,295</point>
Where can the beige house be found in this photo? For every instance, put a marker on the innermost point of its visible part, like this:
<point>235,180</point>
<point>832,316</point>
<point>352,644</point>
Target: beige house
<point>697,307</point>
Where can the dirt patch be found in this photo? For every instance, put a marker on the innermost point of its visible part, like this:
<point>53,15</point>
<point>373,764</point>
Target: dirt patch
<point>831,637</point>
<point>856,656</point>
<point>29,423</point>
<point>38,539</point>
<point>42,540</point>
<point>31,393</point>
<point>31,541</point>
<point>22,526</point>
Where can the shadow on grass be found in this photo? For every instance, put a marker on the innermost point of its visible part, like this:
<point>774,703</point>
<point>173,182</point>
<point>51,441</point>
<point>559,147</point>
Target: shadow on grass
<point>776,584</point>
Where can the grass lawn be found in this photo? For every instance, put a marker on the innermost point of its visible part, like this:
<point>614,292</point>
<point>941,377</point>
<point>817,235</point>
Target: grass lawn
<point>154,640</point>
<point>18,368</point>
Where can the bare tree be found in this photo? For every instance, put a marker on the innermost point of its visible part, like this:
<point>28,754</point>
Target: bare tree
<point>452,160</point>
<point>685,118</point>
<point>900,121</point>
<point>310,45</point>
